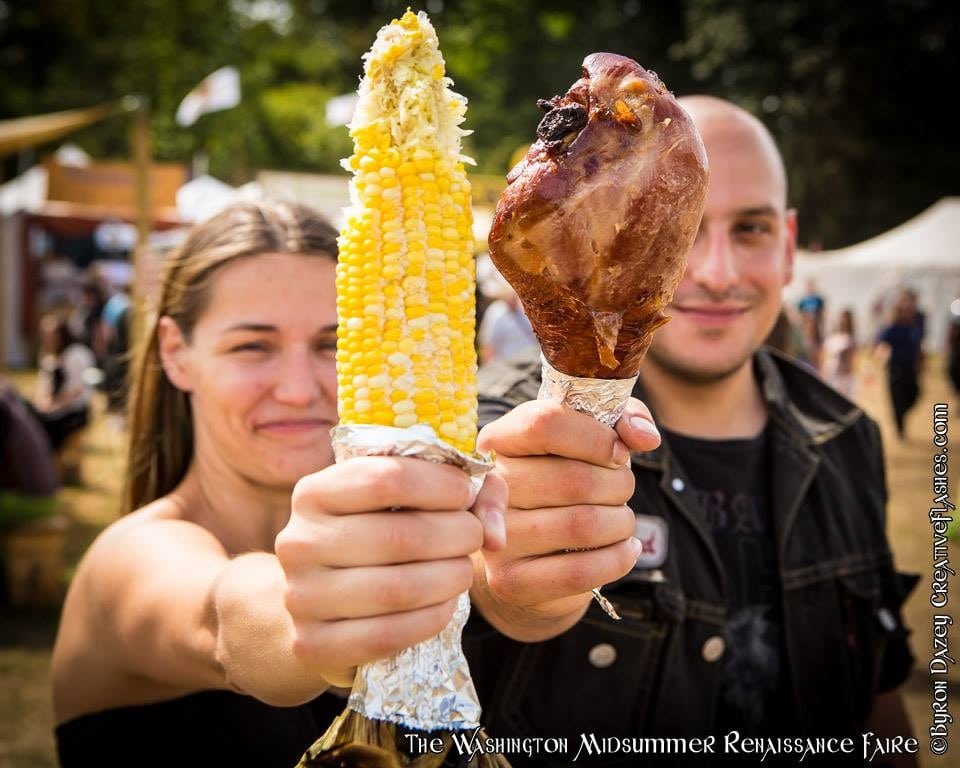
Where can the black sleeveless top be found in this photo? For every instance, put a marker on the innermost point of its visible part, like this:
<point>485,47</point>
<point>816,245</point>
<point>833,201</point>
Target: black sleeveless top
<point>201,729</point>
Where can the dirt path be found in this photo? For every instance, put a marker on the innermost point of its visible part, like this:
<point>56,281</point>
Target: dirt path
<point>910,478</point>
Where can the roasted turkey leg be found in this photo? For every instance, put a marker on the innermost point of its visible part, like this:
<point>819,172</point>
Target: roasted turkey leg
<point>596,221</point>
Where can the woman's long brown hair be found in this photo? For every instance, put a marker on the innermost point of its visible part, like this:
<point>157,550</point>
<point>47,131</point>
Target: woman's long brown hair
<point>161,427</point>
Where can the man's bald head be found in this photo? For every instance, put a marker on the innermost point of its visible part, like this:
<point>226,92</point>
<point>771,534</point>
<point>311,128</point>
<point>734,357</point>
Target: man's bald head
<point>742,257</point>
<point>721,122</point>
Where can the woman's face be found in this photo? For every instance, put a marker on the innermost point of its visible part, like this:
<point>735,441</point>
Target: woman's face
<point>260,367</point>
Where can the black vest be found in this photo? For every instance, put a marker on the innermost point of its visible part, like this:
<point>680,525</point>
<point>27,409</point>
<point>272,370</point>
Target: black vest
<point>656,672</point>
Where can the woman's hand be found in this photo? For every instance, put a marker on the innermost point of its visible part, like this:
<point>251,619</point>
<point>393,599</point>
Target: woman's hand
<point>376,553</point>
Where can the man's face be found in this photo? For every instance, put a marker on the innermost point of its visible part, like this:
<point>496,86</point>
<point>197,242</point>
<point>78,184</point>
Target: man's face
<point>742,257</point>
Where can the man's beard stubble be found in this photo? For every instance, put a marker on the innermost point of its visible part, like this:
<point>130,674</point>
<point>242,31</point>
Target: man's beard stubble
<point>688,371</point>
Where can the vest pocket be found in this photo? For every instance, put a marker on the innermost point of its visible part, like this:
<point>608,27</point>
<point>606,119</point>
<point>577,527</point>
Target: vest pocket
<point>864,634</point>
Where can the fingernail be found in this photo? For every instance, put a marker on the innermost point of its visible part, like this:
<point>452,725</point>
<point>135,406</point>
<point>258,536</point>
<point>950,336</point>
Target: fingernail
<point>474,493</point>
<point>645,426</point>
<point>621,454</point>
<point>493,522</point>
<point>636,547</point>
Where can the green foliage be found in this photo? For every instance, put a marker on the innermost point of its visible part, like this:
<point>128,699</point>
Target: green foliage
<point>298,134</point>
<point>855,93</point>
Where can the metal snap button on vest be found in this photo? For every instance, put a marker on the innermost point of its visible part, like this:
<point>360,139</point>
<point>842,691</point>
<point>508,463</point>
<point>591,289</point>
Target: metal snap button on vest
<point>677,484</point>
<point>713,649</point>
<point>887,620</point>
<point>602,655</point>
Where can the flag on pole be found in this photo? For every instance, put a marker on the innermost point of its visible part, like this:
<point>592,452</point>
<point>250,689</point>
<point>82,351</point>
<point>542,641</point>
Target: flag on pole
<point>340,109</point>
<point>218,90</point>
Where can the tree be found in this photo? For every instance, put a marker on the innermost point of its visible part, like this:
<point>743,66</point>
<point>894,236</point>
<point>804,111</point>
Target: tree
<point>856,94</point>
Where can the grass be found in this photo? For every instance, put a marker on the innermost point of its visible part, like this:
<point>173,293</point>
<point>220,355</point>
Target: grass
<point>26,638</point>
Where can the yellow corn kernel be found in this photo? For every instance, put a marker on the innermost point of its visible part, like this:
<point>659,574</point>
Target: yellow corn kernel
<point>405,280</point>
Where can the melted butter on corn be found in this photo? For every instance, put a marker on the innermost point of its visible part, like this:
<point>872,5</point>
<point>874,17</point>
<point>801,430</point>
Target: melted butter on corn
<point>406,273</point>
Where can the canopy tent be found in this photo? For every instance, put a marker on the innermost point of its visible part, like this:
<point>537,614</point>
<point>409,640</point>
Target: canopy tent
<point>20,133</point>
<point>24,132</point>
<point>205,196</point>
<point>922,254</point>
<point>88,209</point>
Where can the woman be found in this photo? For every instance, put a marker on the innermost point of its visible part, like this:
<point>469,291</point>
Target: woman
<point>203,627</point>
<point>839,349</point>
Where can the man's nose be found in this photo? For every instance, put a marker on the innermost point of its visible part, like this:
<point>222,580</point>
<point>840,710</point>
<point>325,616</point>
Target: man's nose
<point>713,265</point>
<point>298,383</point>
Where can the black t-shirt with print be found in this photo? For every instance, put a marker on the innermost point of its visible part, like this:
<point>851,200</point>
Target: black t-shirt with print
<point>730,479</point>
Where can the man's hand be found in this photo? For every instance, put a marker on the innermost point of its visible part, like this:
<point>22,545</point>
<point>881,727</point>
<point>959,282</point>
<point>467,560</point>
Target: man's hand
<point>568,528</point>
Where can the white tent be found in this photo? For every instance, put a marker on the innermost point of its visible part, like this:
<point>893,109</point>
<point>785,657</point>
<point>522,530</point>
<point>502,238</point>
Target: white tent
<point>922,254</point>
<point>204,196</point>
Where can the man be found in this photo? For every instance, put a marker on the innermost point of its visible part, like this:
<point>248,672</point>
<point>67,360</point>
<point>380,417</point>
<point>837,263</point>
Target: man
<point>900,347</point>
<point>765,599</point>
<point>812,303</point>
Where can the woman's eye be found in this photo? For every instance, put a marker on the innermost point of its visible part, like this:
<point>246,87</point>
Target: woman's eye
<point>253,346</point>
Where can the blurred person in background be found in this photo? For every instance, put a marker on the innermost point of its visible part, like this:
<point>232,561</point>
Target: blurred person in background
<point>912,300</point>
<point>84,322</point>
<point>62,399</point>
<point>812,304</point>
<point>504,329</point>
<point>899,346</point>
<point>781,336</point>
<point>810,333</point>
<point>953,352</point>
<point>28,475</point>
<point>787,337</point>
<point>59,281</point>
<point>115,326</point>
<point>839,352</point>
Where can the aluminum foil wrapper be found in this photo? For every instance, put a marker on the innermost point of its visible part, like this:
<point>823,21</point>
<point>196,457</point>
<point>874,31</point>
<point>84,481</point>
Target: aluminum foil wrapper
<point>426,687</point>
<point>604,399</point>
<point>419,441</point>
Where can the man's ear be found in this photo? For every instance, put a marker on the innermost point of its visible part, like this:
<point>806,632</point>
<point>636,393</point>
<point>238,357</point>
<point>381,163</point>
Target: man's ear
<point>173,353</point>
<point>790,246</point>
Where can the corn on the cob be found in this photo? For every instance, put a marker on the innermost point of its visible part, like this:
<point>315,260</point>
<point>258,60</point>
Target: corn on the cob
<point>405,278</point>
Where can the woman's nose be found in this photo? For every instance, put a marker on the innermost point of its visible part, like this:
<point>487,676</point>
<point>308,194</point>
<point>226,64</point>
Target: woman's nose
<point>297,383</point>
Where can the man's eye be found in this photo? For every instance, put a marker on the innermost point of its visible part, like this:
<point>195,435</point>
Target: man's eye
<point>752,228</point>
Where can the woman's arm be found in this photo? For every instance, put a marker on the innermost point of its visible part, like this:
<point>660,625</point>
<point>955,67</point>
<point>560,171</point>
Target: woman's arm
<point>161,599</point>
